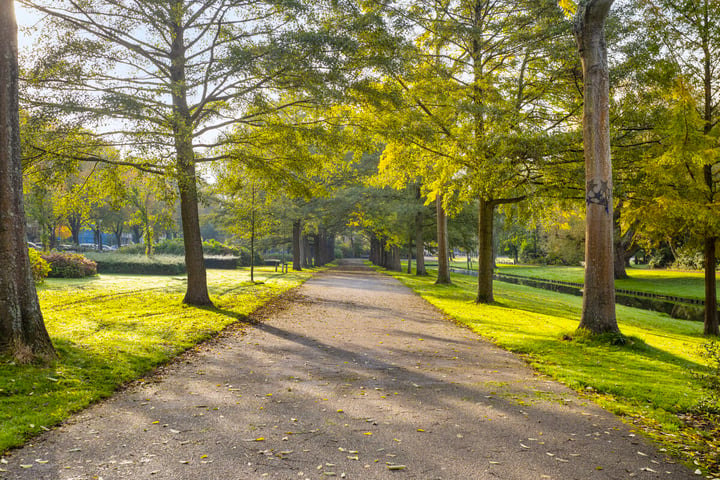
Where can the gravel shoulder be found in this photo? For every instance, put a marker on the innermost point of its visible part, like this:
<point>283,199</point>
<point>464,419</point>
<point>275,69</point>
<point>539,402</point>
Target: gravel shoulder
<point>349,376</point>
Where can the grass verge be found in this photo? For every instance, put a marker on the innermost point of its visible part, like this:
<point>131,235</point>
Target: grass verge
<point>649,380</point>
<point>661,282</point>
<point>681,283</point>
<point>111,329</point>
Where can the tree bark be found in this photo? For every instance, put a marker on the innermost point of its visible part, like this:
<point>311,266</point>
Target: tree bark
<point>395,262</point>
<point>443,275</point>
<point>297,246</point>
<point>197,291</point>
<point>711,313</point>
<point>486,260</point>
<point>23,335</point>
<point>598,315</point>
<point>619,271</point>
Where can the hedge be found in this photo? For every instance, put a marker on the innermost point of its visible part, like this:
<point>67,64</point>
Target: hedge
<point>156,264</point>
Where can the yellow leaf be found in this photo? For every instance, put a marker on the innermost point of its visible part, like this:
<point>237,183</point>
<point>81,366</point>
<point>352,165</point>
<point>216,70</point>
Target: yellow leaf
<point>568,6</point>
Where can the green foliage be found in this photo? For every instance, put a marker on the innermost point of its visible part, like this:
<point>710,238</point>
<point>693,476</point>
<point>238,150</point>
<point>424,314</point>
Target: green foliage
<point>139,264</point>
<point>69,265</point>
<point>213,247</point>
<point>161,264</point>
<point>176,246</point>
<point>710,378</point>
<point>119,327</point>
<point>40,267</point>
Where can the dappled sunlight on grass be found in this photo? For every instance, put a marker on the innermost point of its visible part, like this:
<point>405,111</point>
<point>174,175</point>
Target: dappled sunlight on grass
<point>111,329</point>
<point>654,367</point>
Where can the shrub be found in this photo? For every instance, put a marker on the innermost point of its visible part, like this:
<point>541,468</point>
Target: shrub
<point>139,264</point>
<point>213,247</point>
<point>172,246</point>
<point>132,249</point>
<point>710,380</point>
<point>217,255</point>
<point>69,265</point>
<point>221,262</point>
<point>40,267</point>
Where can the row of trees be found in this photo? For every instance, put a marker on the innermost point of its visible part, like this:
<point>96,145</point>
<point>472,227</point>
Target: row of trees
<point>452,104</point>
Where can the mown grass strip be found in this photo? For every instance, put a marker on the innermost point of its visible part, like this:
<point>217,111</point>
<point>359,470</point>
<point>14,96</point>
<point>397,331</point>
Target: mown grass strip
<point>678,283</point>
<point>114,328</point>
<point>649,379</point>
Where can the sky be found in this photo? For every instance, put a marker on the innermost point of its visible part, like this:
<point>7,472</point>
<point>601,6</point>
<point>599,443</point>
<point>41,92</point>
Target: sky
<point>25,20</point>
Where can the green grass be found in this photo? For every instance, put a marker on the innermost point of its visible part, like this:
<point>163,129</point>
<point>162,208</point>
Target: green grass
<point>663,282</point>
<point>111,329</point>
<point>649,379</point>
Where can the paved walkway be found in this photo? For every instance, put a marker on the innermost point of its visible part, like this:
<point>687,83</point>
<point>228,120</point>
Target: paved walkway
<point>355,378</point>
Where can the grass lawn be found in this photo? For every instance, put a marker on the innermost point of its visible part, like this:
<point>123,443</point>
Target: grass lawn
<point>111,329</point>
<point>642,279</point>
<point>649,379</point>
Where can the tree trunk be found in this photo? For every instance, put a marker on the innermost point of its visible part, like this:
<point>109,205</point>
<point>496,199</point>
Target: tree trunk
<point>598,315</point>
<point>711,313</point>
<point>297,246</point>
<point>118,231</point>
<point>331,247</point>
<point>22,330</point>
<point>443,275</point>
<point>486,260</point>
<point>305,253</point>
<point>197,291</point>
<point>75,224</point>
<point>395,262</point>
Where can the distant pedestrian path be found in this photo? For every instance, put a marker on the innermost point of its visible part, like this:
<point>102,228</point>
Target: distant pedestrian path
<point>351,376</point>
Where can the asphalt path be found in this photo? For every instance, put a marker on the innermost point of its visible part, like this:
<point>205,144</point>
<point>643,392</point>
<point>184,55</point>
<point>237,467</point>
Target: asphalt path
<point>350,376</point>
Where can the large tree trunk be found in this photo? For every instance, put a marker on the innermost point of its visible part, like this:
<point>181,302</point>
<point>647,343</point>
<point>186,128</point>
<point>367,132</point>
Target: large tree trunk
<point>197,291</point>
<point>443,275</point>
<point>598,315</point>
<point>618,248</point>
<point>486,260</point>
<point>22,330</point>
<point>395,263</point>
<point>297,246</point>
<point>711,313</point>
